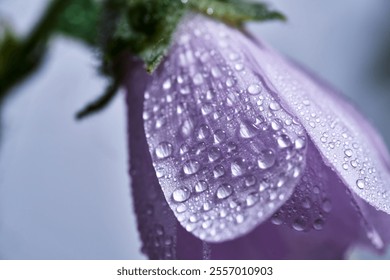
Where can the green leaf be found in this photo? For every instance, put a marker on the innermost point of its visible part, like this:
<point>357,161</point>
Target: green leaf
<point>235,12</point>
<point>81,20</point>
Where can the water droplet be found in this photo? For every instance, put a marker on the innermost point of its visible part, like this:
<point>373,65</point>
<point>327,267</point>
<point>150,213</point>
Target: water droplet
<point>254,89</point>
<point>360,184</point>
<point>185,90</point>
<point>164,150</point>
<point>250,180</point>
<point>184,149</point>
<point>240,219</point>
<point>345,166</point>
<point>237,167</point>
<point>198,79</point>
<point>326,205</point>
<point>201,186</point>
<point>203,132</point>
<point>218,171</point>
<point>186,128</point>
<point>276,124</point>
<point>215,72</point>
<point>284,141</point>
<point>181,208</point>
<point>207,206</point>
<point>299,224</point>
<point>167,84</point>
<point>274,106</point>
<point>191,167</point>
<point>318,224</point>
<point>206,109</point>
<point>232,147</point>
<point>160,123</point>
<point>251,199</point>
<point>266,159</point>
<point>300,143</point>
<point>181,194</point>
<point>239,66</point>
<point>219,136</point>
<point>160,172</point>
<point>276,220</point>
<point>348,152</point>
<point>214,154</point>
<point>229,82</point>
<point>224,191</point>
<point>247,130</point>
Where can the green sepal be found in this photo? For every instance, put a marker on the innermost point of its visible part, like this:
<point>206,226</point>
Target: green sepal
<point>81,20</point>
<point>235,12</point>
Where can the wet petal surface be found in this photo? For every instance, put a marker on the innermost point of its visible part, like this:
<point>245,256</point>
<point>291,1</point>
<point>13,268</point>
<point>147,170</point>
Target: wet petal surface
<point>226,153</point>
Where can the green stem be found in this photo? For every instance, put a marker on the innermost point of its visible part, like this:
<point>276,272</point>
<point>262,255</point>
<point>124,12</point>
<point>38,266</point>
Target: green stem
<point>28,54</point>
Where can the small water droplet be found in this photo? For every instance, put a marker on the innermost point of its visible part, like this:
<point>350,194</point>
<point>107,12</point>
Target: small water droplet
<point>215,72</point>
<point>164,150</point>
<point>239,66</point>
<point>229,82</point>
<point>318,224</point>
<point>197,79</point>
<point>201,186</point>
<point>360,184</point>
<point>299,224</point>
<point>274,106</point>
<point>184,149</point>
<point>250,180</point>
<point>240,219</point>
<point>254,89</point>
<point>206,109</point>
<point>251,199</point>
<point>203,132</point>
<point>284,141</point>
<point>300,143</point>
<point>214,154</point>
<point>167,84</point>
<point>181,194</point>
<point>326,205</point>
<point>266,159</point>
<point>206,206</point>
<point>224,191</point>
<point>181,208</point>
<point>219,136</point>
<point>348,152</point>
<point>191,167</point>
<point>218,171</point>
<point>232,147</point>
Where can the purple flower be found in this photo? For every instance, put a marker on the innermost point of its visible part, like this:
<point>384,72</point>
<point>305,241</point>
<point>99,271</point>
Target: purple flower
<point>236,153</point>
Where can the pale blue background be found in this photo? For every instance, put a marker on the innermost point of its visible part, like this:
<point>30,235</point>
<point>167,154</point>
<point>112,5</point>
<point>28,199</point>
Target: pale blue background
<point>64,189</point>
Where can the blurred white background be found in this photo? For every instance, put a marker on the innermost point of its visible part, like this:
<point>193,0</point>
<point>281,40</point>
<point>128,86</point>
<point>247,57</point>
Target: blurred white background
<point>64,188</point>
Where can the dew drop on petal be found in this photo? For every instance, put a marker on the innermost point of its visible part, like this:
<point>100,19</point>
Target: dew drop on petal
<point>191,167</point>
<point>224,191</point>
<point>181,194</point>
<point>254,89</point>
<point>284,141</point>
<point>164,150</point>
<point>266,159</point>
<point>360,184</point>
<point>201,186</point>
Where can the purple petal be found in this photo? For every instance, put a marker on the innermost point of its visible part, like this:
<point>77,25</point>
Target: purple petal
<point>345,140</point>
<point>226,154</point>
<point>156,222</point>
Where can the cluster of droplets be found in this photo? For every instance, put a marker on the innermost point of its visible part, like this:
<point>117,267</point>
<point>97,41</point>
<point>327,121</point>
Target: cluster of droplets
<point>226,153</point>
<point>345,139</point>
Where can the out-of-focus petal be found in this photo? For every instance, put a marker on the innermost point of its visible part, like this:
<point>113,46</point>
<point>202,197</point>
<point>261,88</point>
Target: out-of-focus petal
<point>156,222</point>
<point>226,153</point>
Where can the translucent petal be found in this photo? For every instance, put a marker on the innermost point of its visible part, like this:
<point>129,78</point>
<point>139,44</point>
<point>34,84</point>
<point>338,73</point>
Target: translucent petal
<point>226,153</point>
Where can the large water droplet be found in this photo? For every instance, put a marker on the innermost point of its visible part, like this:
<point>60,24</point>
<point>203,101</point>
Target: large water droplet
<point>224,191</point>
<point>254,89</point>
<point>203,132</point>
<point>218,171</point>
<point>219,136</point>
<point>164,150</point>
<point>274,106</point>
<point>181,194</point>
<point>206,109</point>
<point>214,154</point>
<point>237,167</point>
<point>283,141</point>
<point>266,159</point>
<point>191,167</point>
<point>186,128</point>
<point>252,199</point>
<point>201,186</point>
<point>247,130</point>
